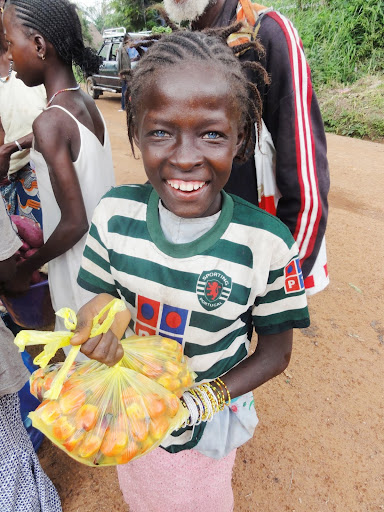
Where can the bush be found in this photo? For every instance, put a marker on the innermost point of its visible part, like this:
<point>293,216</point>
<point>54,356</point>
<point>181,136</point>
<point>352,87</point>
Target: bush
<point>343,39</point>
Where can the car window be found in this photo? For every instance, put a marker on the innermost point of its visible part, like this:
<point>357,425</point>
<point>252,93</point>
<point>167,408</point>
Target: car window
<point>115,47</point>
<point>104,51</point>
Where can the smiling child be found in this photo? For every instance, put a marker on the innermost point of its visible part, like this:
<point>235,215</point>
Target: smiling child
<point>194,264</point>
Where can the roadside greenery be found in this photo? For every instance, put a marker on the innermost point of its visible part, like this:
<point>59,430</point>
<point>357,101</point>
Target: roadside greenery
<point>344,45</point>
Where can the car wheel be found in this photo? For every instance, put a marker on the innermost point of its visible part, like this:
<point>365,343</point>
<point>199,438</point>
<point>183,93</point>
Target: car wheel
<point>91,89</point>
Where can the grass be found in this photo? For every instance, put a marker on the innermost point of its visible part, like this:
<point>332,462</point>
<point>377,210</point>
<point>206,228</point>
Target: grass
<point>344,45</point>
<point>354,110</point>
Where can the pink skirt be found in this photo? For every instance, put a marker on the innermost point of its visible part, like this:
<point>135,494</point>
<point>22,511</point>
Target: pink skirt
<point>182,482</point>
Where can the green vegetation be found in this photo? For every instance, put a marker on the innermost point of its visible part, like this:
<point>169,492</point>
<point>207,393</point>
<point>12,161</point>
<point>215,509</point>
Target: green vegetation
<point>355,110</point>
<point>344,44</point>
<point>135,15</point>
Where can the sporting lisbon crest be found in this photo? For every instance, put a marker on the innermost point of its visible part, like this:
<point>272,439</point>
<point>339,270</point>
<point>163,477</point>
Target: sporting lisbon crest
<point>213,289</point>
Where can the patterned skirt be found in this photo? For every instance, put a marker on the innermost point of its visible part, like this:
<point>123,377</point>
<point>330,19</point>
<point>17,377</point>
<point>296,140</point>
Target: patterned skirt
<point>21,195</point>
<point>24,487</point>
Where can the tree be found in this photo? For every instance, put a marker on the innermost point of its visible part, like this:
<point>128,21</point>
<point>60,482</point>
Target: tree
<point>132,14</point>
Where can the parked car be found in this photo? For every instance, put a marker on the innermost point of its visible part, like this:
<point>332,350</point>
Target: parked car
<point>107,79</point>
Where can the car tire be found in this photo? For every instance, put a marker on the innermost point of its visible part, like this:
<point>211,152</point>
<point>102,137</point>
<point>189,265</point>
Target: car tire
<point>91,88</point>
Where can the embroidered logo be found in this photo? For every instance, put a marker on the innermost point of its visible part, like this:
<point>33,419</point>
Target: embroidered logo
<point>213,289</point>
<point>294,281</point>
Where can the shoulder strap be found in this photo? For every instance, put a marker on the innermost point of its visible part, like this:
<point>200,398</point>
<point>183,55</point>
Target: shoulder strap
<point>64,110</point>
<point>252,13</point>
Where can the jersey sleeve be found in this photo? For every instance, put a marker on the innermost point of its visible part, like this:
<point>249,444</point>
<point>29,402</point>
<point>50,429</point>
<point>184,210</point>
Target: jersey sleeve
<point>283,305</point>
<point>95,272</point>
<point>292,116</point>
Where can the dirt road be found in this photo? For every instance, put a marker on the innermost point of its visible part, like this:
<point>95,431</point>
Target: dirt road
<point>319,446</point>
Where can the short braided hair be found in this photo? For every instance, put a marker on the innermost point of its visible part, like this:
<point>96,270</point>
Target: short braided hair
<point>210,45</point>
<point>58,22</point>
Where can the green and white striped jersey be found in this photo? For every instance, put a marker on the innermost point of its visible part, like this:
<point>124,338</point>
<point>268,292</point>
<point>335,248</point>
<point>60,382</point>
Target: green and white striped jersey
<point>208,294</point>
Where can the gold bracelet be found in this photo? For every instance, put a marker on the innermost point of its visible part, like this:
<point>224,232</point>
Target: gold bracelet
<point>227,390</point>
<point>220,396</point>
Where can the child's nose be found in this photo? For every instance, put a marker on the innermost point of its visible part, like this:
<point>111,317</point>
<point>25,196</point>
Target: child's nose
<point>186,155</point>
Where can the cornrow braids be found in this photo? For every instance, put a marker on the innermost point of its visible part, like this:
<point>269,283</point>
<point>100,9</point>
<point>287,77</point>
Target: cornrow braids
<point>210,45</point>
<point>58,22</point>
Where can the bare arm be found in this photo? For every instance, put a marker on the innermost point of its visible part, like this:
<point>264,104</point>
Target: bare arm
<point>55,134</point>
<point>271,357</point>
<point>7,150</point>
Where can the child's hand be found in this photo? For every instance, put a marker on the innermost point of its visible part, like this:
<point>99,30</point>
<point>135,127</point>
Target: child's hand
<point>17,282</point>
<point>105,348</point>
<point>7,269</point>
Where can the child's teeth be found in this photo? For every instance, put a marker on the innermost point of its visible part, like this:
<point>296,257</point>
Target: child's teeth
<point>185,186</point>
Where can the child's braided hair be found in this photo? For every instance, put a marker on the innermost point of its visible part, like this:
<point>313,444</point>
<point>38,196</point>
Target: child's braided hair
<point>58,22</point>
<point>166,50</point>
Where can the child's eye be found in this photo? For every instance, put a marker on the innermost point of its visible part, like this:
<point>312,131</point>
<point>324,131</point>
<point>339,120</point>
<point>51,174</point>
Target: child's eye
<point>211,135</point>
<point>160,133</point>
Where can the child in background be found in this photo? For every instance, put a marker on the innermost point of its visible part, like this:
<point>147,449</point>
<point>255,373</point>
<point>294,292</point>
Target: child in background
<point>194,264</point>
<point>18,184</point>
<point>71,148</point>
<point>23,484</point>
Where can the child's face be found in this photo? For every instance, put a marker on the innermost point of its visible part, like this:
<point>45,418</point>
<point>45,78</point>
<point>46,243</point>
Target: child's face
<point>187,130</point>
<point>21,49</point>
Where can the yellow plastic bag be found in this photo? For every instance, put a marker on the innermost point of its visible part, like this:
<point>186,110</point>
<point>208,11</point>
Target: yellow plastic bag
<point>53,341</point>
<point>98,415</point>
<point>108,416</point>
<point>160,359</point>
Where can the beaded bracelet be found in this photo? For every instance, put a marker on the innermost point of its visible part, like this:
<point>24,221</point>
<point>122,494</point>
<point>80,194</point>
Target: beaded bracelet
<point>227,390</point>
<point>205,400</point>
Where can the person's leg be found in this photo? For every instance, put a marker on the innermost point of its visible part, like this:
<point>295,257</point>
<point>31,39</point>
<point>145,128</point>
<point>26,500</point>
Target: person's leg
<point>123,91</point>
<point>186,481</point>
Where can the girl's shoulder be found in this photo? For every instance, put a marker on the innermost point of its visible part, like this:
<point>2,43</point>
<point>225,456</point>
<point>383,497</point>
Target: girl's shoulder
<point>131,199</point>
<point>140,192</point>
<point>253,217</point>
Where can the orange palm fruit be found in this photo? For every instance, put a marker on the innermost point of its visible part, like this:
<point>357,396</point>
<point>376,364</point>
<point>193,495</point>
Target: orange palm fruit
<point>139,430</point>
<point>173,404</point>
<point>113,443</point>
<point>129,452</point>
<point>136,411</point>
<point>90,445</point>
<point>68,384</point>
<point>173,368</point>
<point>86,417</point>
<point>48,380</point>
<point>159,427</point>
<point>129,395</point>
<point>152,370</point>
<point>62,428</point>
<point>71,400</point>
<point>49,411</point>
<point>155,405</point>
<point>74,441</point>
<point>146,445</point>
<point>36,387</point>
<point>186,380</point>
<point>169,382</point>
